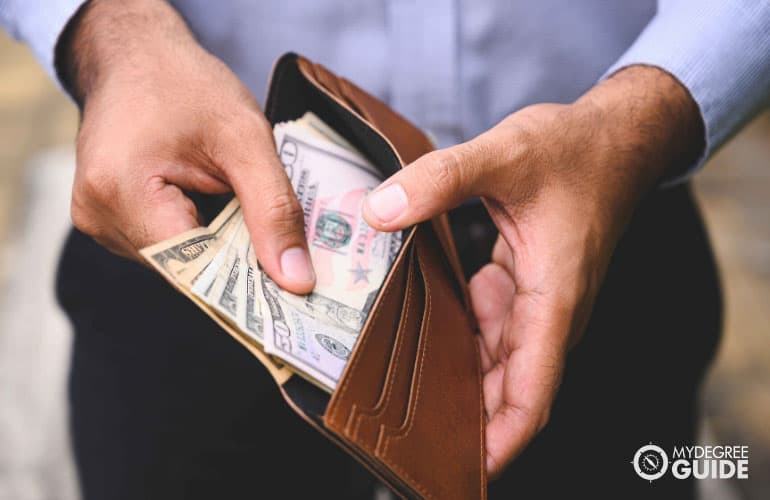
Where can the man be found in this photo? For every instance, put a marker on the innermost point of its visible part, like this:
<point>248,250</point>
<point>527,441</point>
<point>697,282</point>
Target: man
<point>164,406</point>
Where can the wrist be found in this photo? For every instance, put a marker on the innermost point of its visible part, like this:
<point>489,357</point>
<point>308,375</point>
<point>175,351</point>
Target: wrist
<point>109,38</point>
<point>650,124</point>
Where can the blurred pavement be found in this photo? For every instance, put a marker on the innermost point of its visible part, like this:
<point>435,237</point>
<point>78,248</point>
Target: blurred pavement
<point>35,456</point>
<point>37,127</point>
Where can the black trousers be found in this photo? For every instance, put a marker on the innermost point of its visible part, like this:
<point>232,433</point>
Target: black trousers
<point>166,406</point>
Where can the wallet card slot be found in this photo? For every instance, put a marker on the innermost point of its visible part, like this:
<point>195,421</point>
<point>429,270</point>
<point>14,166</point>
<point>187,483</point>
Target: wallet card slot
<point>446,394</point>
<point>411,378</point>
<point>391,406</point>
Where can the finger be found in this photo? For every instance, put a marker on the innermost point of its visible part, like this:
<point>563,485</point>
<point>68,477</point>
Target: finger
<point>132,216</point>
<point>529,383</point>
<point>193,179</point>
<point>85,211</point>
<point>492,290</point>
<point>119,245</point>
<point>164,212</point>
<point>487,361</point>
<point>272,213</point>
<point>535,359</point>
<point>502,254</point>
<point>433,184</point>
<point>492,384</point>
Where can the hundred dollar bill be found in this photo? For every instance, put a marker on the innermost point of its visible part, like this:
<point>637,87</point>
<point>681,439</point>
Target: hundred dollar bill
<point>173,256</point>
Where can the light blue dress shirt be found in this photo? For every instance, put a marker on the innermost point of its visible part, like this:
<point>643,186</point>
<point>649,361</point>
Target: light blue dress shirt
<point>457,67</point>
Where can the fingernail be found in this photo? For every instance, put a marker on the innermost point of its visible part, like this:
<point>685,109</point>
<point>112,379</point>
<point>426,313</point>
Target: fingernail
<point>296,265</point>
<point>388,203</point>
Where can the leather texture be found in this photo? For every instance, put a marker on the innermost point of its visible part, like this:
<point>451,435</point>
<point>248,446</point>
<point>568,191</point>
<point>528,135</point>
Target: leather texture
<point>409,402</point>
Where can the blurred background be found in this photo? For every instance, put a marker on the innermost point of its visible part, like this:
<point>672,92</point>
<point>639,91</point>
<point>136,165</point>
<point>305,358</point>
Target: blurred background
<point>37,130</point>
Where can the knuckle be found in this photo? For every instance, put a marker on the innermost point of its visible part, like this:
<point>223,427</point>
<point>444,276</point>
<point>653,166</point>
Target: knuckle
<point>529,417</point>
<point>94,181</point>
<point>519,413</point>
<point>82,218</point>
<point>442,171</point>
<point>514,142</point>
<point>284,214</point>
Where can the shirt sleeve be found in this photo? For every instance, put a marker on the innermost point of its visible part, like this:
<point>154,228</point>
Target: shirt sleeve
<point>719,50</point>
<point>38,23</point>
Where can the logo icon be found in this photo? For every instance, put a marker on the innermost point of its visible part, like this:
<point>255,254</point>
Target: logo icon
<point>650,462</point>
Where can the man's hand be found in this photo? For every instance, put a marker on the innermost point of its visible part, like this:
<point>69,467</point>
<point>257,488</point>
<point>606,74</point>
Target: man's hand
<point>560,182</point>
<point>162,116</point>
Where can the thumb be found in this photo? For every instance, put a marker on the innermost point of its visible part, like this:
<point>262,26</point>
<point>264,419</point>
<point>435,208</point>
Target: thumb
<point>271,210</point>
<point>431,185</point>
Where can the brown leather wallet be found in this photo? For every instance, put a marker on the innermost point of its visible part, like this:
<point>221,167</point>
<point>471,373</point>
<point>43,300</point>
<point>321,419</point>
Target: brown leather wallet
<point>409,404</point>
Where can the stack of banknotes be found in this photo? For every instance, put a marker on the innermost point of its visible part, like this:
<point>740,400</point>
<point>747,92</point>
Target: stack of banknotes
<point>312,334</point>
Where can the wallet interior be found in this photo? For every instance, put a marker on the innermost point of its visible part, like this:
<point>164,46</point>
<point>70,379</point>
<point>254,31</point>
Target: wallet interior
<point>290,95</point>
<point>373,413</point>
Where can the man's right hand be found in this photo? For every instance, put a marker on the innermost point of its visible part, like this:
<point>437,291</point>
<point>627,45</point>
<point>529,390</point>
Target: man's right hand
<point>162,116</point>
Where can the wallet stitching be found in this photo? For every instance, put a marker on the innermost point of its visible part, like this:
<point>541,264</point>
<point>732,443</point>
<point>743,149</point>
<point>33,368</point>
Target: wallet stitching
<point>416,483</point>
<point>422,357</point>
<point>343,388</point>
<point>376,412</point>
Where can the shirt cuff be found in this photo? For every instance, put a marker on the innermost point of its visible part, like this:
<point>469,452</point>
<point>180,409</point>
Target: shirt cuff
<point>720,51</point>
<point>38,23</point>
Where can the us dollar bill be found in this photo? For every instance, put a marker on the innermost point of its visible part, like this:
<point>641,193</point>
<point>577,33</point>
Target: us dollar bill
<point>217,267</point>
<point>223,292</point>
<point>173,256</point>
<point>314,124</point>
<point>251,315</point>
<point>211,256</point>
<point>350,258</point>
<point>316,333</point>
<point>313,346</point>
